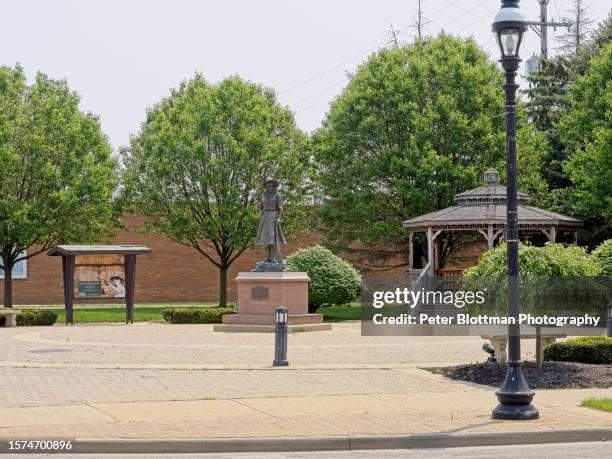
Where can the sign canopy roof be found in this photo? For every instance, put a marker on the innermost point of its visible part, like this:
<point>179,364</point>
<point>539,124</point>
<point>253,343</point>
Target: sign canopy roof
<point>60,250</point>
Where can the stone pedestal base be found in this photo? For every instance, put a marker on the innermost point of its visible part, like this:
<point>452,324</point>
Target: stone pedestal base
<point>260,293</point>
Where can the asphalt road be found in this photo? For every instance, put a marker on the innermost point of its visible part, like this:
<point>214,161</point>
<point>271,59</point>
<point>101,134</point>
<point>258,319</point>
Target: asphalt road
<point>598,450</point>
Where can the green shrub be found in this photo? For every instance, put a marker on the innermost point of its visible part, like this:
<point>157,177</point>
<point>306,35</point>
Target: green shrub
<point>553,278</point>
<point>552,260</point>
<point>30,317</point>
<point>586,349</point>
<point>603,257</point>
<point>332,280</point>
<point>196,315</point>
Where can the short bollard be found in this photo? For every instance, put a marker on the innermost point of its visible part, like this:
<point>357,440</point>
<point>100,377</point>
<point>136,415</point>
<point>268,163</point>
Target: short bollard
<point>280,345</point>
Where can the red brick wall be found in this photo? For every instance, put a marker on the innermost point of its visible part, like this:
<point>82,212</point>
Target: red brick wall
<point>172,272</point>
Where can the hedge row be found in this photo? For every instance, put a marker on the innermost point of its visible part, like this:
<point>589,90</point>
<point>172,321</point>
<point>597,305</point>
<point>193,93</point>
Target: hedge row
<point>196,315</point>
<point>586,349</point>
<point>33,317</point>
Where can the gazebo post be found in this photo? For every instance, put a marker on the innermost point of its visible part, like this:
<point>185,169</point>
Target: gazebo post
<point>436,255</point>
<point>490,237</point>
<point>430,250</point>
<point>68,275</point>
<point>410,250</point>
<point>553,234</point>
<point>575,237</point>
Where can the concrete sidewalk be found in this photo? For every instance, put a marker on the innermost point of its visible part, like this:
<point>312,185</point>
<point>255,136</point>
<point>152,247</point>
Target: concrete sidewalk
<point>155,381</point>
<point>332,415</point>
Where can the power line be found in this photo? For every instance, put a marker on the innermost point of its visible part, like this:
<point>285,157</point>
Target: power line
<point>442,9</point>
<point>316,94</point>
<point>308,107</point>
<point>335,67</point>
<point>331,69</point>
<point>487,15</point>
<point>466,13</point>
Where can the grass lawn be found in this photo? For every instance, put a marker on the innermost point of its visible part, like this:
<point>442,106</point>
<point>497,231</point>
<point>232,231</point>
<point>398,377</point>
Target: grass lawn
<point>101,313</point>
<point>604,404</point>
<point>352,311</point>
<point>144,312</point>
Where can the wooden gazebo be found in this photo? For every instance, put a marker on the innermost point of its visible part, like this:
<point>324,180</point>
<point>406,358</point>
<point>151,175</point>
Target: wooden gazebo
<point>483,210</point>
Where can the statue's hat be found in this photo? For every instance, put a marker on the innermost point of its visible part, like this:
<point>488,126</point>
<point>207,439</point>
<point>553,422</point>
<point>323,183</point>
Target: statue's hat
<point>271,180</point>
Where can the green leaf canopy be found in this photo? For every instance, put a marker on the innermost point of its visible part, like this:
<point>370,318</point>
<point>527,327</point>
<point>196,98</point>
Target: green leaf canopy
<point>414,126</point>
<point>57,175</point>
<point>199,162</point>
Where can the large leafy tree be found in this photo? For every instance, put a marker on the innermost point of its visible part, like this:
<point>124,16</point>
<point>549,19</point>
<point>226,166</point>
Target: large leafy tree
<point>586,130</point>
<point>198,165</point>
<point>57,175</point>
<point>548,102</point>
<point>414,126</point>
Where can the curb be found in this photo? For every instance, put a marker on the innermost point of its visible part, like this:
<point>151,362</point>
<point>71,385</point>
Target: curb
<point>278,444</point>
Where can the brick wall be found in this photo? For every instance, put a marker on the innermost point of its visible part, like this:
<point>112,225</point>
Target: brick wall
<point>172,272</point>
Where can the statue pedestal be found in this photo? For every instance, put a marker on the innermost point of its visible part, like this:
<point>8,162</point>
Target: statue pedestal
<point>260,293</point>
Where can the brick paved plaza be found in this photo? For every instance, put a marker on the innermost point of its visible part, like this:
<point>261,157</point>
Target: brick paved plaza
<point>162,381</point>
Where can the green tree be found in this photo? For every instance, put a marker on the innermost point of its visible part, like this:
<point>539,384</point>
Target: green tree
<point>603,257</point>
<point>586,131</point>
<point>554,279</point>
<point>547,101</point>
<point>414,126</point>
<point>601,36</point>
<point>57,175</point>
<point>198,165</point>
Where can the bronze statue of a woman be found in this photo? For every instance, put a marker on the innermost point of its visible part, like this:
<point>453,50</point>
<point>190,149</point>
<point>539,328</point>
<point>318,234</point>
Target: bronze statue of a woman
<point>270,234</point>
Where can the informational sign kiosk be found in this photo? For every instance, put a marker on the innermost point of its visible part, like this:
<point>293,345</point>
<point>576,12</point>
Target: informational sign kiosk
<point>98,272</point>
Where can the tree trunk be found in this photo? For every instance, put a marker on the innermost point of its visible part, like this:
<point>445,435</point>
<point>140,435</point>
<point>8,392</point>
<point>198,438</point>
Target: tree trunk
<point>223,285</point>
<point>8,286</point>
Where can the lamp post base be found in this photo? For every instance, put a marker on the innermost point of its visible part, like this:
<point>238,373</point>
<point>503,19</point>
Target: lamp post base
<point>515,396</point>
<point>280,363</point>
<point>508,412</point>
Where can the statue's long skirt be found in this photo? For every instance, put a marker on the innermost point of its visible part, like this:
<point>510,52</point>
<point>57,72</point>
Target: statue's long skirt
<point>270,232</point>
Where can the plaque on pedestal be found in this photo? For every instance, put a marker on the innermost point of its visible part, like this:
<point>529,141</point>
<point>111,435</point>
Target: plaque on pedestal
<point>260,293</point>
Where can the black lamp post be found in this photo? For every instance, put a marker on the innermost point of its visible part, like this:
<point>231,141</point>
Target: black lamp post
<point>280,338</point>
<point>514,396</point>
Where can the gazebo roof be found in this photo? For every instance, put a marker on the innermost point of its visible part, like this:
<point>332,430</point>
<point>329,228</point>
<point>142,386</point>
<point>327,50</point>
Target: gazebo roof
<point>486,205</point>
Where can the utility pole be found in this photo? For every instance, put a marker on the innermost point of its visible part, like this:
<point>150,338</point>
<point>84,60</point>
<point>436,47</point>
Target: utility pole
<point>541,28</point>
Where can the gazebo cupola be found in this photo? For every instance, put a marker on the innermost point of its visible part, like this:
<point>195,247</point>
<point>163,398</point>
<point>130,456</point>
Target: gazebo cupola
<point>483,210</point>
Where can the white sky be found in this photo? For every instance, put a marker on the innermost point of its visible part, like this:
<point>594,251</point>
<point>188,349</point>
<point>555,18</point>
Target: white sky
<point>124,55</point>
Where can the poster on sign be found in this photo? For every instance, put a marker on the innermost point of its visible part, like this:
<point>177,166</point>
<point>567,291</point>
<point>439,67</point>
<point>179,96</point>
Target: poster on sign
<point>99,276</point>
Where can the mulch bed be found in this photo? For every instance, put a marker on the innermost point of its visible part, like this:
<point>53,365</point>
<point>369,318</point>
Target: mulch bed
<point>553,375</point>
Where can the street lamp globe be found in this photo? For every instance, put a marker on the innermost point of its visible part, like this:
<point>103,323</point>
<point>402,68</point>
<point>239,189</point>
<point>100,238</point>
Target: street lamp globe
<point>509,26</point>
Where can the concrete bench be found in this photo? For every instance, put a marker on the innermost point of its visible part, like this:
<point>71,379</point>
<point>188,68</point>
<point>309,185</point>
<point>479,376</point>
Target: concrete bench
<point>11,317</point>
<point>499,342</point>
